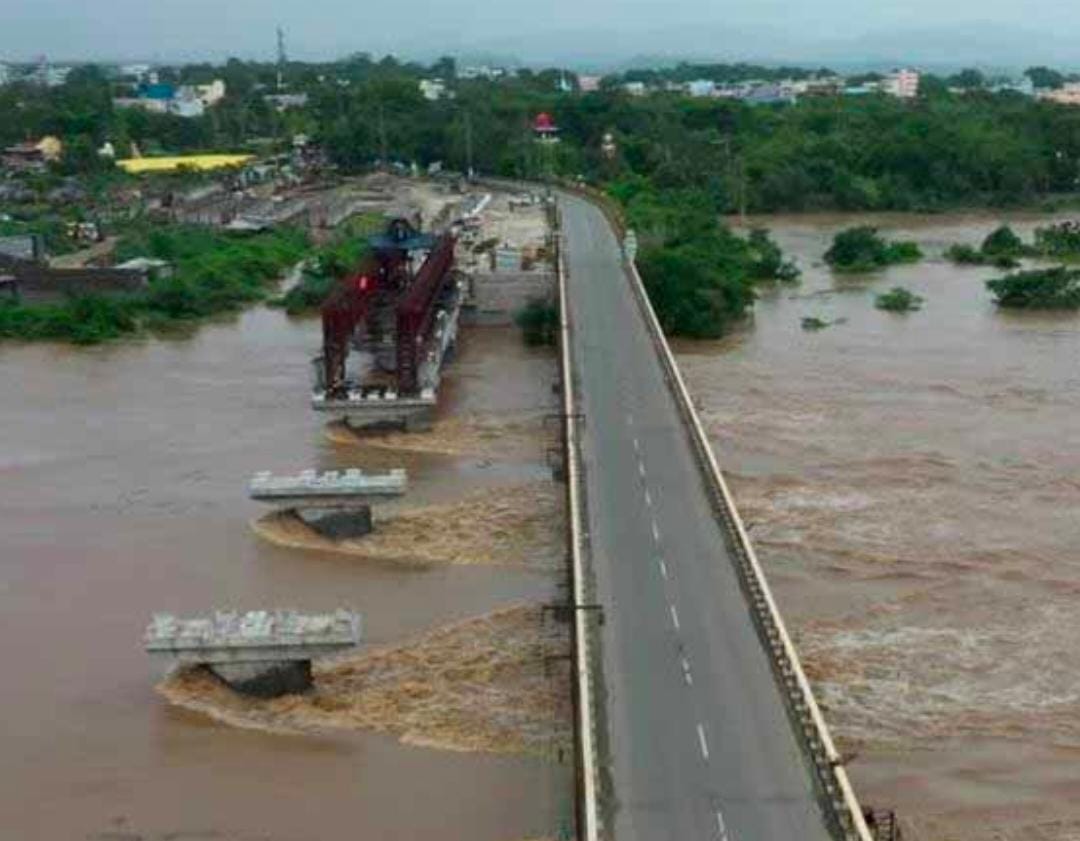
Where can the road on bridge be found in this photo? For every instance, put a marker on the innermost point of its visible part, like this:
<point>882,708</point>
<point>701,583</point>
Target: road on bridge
<point>701,744</point>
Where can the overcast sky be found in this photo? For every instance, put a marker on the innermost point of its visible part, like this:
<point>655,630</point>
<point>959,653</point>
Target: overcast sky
<point>991,32</point>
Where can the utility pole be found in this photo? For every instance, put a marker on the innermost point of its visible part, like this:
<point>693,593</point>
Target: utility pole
<point>382,134</point>
<point>281,59</point>
<point>468,145</point>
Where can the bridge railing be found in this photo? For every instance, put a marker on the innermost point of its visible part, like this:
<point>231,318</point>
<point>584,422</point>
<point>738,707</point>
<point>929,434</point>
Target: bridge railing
<point>586,729</point>
<point>839,800</point>
<point>839,796</point>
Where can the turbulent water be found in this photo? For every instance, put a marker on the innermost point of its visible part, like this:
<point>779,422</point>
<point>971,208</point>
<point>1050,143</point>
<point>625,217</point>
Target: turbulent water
<point>123,492</point>
<point>913,485</point>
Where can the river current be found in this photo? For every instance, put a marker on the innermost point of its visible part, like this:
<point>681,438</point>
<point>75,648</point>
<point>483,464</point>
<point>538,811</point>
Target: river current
<point>912,483</point>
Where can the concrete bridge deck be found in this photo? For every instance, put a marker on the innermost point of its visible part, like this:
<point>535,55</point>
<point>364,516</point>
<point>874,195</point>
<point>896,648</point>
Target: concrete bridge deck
<point>701,743</point>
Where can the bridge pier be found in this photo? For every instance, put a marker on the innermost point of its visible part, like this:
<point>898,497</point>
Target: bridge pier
<point>339,523</point>
<point>334,504</point>
<point>266,680</point>
<point>261,653</point>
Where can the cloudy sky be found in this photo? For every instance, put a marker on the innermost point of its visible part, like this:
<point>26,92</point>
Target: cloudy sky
<point>989,32</point>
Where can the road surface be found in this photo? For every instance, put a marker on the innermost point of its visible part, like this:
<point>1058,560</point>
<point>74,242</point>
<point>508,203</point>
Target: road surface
<point>702,746</point>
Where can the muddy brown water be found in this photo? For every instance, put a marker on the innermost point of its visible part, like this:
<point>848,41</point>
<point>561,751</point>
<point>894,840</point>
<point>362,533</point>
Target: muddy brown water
<point>913,486</point>
<point>122,491</point>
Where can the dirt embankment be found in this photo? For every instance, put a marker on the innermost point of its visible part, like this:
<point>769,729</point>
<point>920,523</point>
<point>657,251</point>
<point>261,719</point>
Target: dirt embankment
<point>496,683</point>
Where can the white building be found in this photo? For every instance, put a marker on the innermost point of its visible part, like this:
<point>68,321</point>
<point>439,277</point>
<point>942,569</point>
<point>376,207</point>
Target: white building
<point>701,87</point>
<point>210,94</point>
<point>433,89</point>
<point>589,84</point>
<point>635,88</point>
<point>903,84</point>
<point>5,74</point>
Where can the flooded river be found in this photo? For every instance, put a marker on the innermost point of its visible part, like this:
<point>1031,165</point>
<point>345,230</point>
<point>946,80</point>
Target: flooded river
<point>913,485</point>
<point>123,492</point>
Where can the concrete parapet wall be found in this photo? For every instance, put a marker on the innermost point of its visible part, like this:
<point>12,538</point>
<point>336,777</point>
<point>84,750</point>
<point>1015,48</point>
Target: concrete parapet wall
<point>496,297</point>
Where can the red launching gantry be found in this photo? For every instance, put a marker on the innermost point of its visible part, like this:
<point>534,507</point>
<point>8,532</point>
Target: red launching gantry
<point>383,282</point>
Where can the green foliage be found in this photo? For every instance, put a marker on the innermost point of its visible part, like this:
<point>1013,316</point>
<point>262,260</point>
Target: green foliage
<point>1003,241</point>
<point>539,322</point>
<point>212,273</point>
<point>812,323</point>
<point>1056,288</point>
<point>1001,248</point>
<point>767,260</point>
<point>1062,241</point>
<point>898,299</point>
<point>861,249</point>
<point>1045,78</point>
<point>329,264</point>
<point>964,255</point>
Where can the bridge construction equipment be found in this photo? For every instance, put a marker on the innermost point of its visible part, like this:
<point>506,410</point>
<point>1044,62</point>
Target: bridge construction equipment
<point>406,321</point>
<point>335,504</point>
<point>258,653</point>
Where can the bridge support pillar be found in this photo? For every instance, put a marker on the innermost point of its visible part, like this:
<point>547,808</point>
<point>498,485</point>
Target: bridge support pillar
<point>337,523</point>
<point>266,680</point>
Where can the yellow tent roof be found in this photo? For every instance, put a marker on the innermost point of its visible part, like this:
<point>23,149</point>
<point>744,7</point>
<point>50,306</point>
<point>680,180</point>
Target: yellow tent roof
<point>136,166</point>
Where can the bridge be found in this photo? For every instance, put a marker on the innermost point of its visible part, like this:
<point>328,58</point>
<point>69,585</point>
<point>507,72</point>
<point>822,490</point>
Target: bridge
<point>706,725</point>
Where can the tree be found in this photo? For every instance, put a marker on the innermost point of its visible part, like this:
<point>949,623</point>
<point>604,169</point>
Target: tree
<point>1044,78</point>
<point>968,79</point>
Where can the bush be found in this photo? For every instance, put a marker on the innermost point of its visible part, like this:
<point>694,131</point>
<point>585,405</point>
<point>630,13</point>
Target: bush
<point>861,249</point>
<point>898,299</point>
<point>767,260</point>
<point>1003,242</point>
<point>965,255</point>
<point>1058,240</point>
<point>1057,288</point>
<point>539,322</point>
<point>1001,248</point>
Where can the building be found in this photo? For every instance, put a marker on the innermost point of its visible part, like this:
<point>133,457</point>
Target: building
<point>5,74</point>
<point>210,94</point>
<point>433,89</point>
<point>32,155</point>
<point>635,88</point>
<point>544,128</point>
<point>286,101</point>
<point>184,101</point>
<point>1069,94</point>
<point>481,72</point>
<point>701,87</point>
<point>589,84</point>
<point>903,84</point>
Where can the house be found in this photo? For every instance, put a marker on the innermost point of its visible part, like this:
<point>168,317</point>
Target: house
<point>433,89</point>
<point>701,87</point>
<point>589,84</point>
<point>32,155</point>
<point>635,88</point>
<point>286,101</point>
<point>903,84</point>
<point>184,101</point>
<point>1068,94</point>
